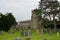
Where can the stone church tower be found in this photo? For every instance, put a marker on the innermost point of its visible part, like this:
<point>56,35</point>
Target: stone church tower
<point>33,20</point>
<point>35,24</point>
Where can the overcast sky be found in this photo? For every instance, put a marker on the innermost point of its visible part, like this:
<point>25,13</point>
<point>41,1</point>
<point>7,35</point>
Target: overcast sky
<point>21,9</point>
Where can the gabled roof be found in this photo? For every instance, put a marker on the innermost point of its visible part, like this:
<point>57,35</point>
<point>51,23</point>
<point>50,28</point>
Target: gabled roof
<point>26,21</point>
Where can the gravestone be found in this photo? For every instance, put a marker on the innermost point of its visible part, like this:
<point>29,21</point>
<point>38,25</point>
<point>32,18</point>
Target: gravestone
<point>42,31</point>
<point>17,38</point>
<point>22,33</point>
<point>50,31</point>
<point>1,32</point>
<point>26,33</point>
<point>28,38</point>
<point>29,32</point>
<point>9,32</point>
<point>57,34</point>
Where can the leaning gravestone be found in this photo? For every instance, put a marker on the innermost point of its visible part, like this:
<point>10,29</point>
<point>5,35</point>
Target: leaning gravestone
<point>28,38</point>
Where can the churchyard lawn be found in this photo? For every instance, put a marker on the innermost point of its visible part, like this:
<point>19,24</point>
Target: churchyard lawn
<point>35,36</point>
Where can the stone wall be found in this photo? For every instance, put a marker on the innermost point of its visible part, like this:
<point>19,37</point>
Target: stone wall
<point>25,24</point>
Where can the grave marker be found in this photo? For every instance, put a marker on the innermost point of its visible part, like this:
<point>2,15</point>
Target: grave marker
<point>28,38</point>
<point>17,38</point>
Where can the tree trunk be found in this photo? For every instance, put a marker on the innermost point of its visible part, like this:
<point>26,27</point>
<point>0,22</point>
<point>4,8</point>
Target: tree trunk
<point>50,30</point>
<point>54,25</point>
<point>54,22</point>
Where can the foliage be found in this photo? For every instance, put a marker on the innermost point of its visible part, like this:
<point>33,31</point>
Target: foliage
<point>37,12</point>
<point>7,21</point>
<point>53,9</point>
<point>49,11</point>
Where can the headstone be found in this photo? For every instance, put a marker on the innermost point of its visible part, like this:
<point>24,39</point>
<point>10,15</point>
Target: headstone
<point>17,38</point>
<point>57,34</point>
<point>45,39</point>
<point>1,32</point>
<point>22,33</point>
<point>50,32</point>
<point>26,33</point>
<point>29,32</point>
<point>14,30</point>
<point>42,31</point>
<point>9,32</point>
<point>38,31</point>
<point>28,38</point>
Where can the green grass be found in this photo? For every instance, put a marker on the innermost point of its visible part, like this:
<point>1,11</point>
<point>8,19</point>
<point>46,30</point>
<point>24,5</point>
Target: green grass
<point>35,36</point>
<point>7,36</point>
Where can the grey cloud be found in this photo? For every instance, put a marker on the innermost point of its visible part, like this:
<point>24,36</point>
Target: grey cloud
<point>21,9</point>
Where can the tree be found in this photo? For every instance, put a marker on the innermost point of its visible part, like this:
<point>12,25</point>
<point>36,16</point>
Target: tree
<point>50,9</point>
<point>1,21</point>
<point>7,21</point>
